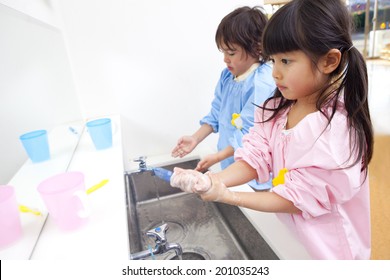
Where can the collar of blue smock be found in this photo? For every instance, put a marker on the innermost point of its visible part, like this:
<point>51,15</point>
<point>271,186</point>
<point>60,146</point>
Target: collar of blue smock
<point>247,73</point>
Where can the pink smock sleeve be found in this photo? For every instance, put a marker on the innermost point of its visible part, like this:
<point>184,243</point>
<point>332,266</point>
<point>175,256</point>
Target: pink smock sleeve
<point>256,149</point>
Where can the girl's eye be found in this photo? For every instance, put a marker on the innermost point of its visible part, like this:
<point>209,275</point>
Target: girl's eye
<point>285,61</point>
<point>272,60</point>
<point>231,53</point>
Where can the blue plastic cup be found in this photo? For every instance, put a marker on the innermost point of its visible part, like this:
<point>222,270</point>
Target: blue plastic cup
<point>36,144</point>
<point>101,133</point>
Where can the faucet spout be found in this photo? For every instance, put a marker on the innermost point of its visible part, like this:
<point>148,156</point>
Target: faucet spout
<point>162,245</point>
<point>176,247</point>
<point>142,163</point>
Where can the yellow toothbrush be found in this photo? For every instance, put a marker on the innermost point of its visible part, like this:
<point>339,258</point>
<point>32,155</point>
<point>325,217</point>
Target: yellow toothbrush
<point>97,186</point>
<point>25,209</point>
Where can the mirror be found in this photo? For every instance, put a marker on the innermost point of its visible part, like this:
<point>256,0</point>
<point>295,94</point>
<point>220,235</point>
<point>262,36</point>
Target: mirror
<point>37,92</point>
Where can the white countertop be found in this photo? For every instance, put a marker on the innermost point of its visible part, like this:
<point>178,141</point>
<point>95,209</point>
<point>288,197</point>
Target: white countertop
<point>105,234</point>
<point>62,143</point>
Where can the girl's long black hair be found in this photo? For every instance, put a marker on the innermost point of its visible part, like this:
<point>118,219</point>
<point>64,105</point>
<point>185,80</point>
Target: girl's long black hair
<point>315,27</point>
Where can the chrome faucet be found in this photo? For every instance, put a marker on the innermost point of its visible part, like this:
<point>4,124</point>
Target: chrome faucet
<point>142,163</point>
<point>162,245</point>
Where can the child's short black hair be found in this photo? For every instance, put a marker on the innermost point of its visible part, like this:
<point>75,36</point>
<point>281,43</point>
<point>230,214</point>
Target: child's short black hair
<point>244,27</point>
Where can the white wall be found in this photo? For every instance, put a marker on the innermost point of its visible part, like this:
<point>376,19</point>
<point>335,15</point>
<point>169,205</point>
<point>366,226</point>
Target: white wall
<point>37,90</point>
<point>45,11</point>
<point>154,62</point>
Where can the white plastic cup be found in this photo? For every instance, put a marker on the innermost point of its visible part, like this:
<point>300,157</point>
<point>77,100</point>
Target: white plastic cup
<point>10,224</point>
<point>65,198</point>
<point>36,144</point>
<point>100,131</point>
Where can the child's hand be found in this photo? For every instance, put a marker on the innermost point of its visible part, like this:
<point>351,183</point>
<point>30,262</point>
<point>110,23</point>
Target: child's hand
<point>190,181</point>
<point>206,162</point>
<point>219,192</point>
<point>184,146</point>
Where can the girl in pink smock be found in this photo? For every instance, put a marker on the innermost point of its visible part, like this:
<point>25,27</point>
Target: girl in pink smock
<point>315,135</point>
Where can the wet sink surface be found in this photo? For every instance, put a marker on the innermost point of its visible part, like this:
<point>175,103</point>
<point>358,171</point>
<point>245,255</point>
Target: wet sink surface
<point>205,230</point>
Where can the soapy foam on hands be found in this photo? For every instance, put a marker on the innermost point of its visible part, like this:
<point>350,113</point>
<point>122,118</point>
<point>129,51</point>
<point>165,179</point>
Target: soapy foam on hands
<point>190,181</point>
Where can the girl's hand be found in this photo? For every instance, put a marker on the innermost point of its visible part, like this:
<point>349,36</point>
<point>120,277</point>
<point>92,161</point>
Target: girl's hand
<point>206,162</point>
<point>190,181</point>
<point>185,145</point>
<point>219,192</point>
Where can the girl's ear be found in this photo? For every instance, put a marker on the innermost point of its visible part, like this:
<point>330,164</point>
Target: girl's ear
<point>330,61</point>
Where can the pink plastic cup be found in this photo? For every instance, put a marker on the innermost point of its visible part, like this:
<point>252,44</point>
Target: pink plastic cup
<point>65,198</point>
<point>10,224</point>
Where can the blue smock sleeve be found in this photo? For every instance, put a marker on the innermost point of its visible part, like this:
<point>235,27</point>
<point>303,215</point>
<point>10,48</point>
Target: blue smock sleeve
<point>213,117</point>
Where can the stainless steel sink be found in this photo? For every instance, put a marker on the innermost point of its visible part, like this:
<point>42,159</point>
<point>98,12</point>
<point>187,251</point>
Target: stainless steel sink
<point>205,230</point>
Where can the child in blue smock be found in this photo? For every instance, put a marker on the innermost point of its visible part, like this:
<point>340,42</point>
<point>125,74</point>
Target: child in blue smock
<point>247,80</point>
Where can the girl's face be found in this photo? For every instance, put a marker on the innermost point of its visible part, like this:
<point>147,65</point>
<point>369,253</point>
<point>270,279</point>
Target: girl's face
<point>236,59</point>
<point>296,77</point>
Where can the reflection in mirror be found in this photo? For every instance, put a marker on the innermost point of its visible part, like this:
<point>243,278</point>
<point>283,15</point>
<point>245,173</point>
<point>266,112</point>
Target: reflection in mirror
<point>37,92</point>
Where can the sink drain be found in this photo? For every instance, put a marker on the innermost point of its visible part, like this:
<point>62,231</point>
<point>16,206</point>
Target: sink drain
<point>189,256</point>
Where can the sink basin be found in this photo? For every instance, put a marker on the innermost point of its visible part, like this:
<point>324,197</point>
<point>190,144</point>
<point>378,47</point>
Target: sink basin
<point>205,230</point>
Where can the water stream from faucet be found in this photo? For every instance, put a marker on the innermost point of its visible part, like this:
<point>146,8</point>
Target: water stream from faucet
<point>156,183</point>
